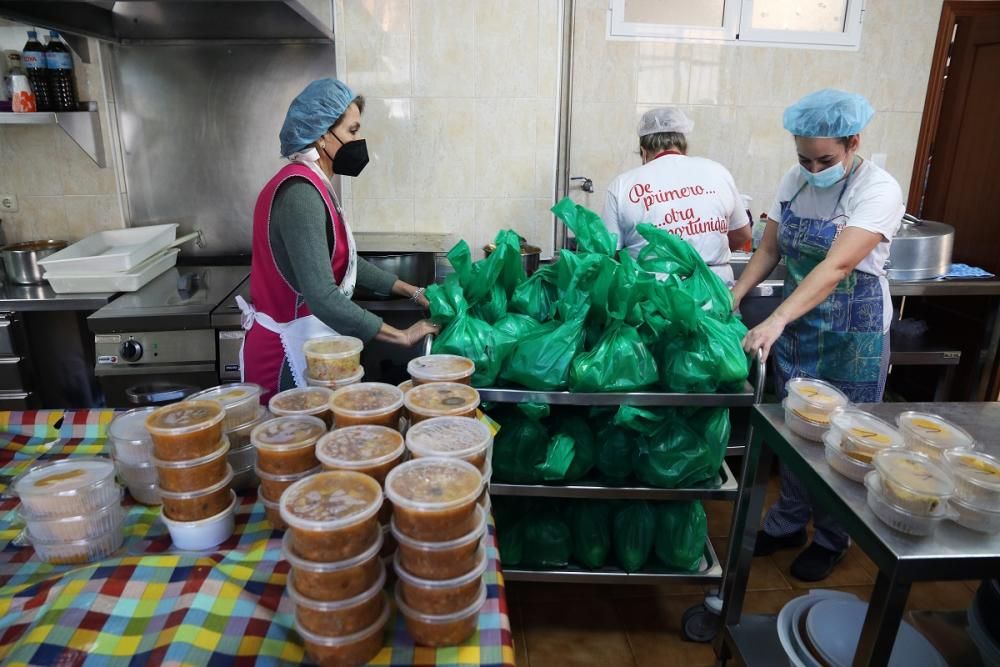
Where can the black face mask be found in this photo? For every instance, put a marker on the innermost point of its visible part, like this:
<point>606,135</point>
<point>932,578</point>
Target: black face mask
<point>351,158</point>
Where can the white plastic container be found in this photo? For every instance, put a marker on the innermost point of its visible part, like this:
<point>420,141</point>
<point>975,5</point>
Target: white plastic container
<point>813,399</point>
<point>79,551</point>
<point>110,251</point>
<point>206,533</point>
<point>897,517</point>
<point>451,437</point>
<point>241,401</point>
<point>932,435</point>
<point>861,435</point>
<point>136,474</point>
<point>977,477</point>
<point>332,357</point>
<point>130,441</point>
<point>441,368</point>
<point>804,428</point>
<point>126,281</point>
<point>84,527</point>
<point>913,481</point>
<point>849,467</point>
<point>974,518</point>
<point>441,629</point>
<point>67,487</point>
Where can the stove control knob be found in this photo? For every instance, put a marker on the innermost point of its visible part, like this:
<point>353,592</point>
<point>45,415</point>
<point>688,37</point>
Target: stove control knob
<point>131,351</point>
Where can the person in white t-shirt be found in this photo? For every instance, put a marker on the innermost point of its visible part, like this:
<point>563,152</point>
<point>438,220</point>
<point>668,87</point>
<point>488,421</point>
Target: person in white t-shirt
<point>692,197</point>
<point>832,222</point>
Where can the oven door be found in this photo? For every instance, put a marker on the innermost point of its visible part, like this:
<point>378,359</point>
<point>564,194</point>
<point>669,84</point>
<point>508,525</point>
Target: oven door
<point>154,384</point>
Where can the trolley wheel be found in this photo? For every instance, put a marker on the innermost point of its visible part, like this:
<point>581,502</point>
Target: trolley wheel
<point>699,624</point>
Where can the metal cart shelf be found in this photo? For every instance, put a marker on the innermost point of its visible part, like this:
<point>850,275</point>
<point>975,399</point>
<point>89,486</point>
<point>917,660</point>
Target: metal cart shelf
<point>743,398</point>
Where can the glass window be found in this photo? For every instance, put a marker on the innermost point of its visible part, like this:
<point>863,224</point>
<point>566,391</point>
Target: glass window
<point>800,15</point>
<point>706,13</point>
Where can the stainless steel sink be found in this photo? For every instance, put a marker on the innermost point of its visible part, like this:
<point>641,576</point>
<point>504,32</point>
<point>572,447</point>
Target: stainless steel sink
<point>740,261</point>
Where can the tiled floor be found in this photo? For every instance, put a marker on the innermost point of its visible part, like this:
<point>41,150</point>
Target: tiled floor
<point>558,625</point>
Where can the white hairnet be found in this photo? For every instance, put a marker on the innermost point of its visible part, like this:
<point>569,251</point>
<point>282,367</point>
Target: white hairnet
<point>665,119</point>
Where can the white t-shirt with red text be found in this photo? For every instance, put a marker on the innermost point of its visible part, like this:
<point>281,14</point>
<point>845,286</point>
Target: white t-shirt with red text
<point>692,197</point>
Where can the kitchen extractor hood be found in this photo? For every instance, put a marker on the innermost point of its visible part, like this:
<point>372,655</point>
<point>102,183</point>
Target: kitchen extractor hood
<point>161,21</point>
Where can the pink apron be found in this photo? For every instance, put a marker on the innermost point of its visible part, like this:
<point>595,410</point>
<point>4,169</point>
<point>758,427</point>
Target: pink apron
<point>279,321</point>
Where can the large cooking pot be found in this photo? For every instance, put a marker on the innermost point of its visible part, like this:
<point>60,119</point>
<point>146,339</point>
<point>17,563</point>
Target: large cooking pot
<point>416,268</point>
<point>920,250</point>
<point>530,255</point>
<point>20,261</point>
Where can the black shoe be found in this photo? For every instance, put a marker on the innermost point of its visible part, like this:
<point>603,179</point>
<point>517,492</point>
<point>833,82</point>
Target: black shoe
<point>768,544</point>
<point>815,563</point>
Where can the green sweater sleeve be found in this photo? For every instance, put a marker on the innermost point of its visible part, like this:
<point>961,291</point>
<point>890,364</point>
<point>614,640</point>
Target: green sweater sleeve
<point>376,279</point>
<point>299,222</point>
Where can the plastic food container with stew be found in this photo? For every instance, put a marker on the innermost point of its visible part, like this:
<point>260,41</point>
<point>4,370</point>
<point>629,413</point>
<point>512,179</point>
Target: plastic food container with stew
<point>974,518</point>
<point>355,649</point>
<point>130,441</point>
<point>205,533</point>
<point>372,450</point>
<point>186,430</point>
<point>305,401</point>
<point>931,434</point>
<point>976,476</point>
<point>272,511</point>
<point>239,437</point>
<point>440,560</point>
<point>333,385</point>
<point>441,368</point>
<point>272,486</point>
<point>371,403</point>
<point>332,357</point>
<point>200,473</point>
<point>339,580</point>
<point>861,436</point>
<point>434,499</point>
<point>900,518</point>
<point>287,445</point>
<point>67,487</point>
<point>913,482</point>
<point>441,399</point>
<point>200,504</point>
<point>451,437</point>
<point>848,466</point>
<point>241,401</point>
<point>337,618</point>
<point>444,596</point>
<point>71,528</point>
<point>333,515</point>
<point>75,552</point>
<point>441,629</point>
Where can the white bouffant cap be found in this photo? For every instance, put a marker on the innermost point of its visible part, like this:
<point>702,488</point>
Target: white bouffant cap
<point>664,119</point>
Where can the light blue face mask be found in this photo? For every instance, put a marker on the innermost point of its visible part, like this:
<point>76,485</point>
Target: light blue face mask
<point>825,178</point>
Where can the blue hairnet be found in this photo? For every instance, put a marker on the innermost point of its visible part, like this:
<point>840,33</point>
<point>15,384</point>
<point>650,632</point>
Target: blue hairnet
<point>828,113</point>
<point>313,112</point>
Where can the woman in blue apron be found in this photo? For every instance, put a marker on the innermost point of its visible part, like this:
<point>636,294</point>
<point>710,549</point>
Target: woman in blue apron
<point>832,222</point>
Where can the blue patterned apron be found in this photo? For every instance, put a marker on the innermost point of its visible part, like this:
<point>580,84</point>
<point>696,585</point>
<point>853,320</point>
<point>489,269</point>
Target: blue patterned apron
<point>840,340</point>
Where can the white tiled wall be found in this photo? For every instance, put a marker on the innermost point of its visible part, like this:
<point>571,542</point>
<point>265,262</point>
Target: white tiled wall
<point>736,95</point>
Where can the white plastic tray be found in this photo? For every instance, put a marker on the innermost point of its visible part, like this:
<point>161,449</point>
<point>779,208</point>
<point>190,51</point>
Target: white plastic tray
<point>111,251</point>
<point>127,281</point>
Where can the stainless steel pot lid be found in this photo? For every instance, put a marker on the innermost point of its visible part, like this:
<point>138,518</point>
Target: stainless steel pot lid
<point>915,228</point>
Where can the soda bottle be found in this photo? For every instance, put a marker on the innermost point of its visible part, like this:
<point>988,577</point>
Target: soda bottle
<point>33,61</point>
<point>62,83</point>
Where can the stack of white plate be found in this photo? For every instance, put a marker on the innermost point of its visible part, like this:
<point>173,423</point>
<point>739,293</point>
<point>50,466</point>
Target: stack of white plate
<point>823,628</point>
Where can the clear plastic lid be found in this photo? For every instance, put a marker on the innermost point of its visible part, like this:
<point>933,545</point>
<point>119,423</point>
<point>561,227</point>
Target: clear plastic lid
<point>330,500</point>
<point>865,430</point>
<point>935,431</point>
<point>433,484</point>
<point>315,566</point>
<point>440,368</point>
<point>290,477</point>
<point>191,463</point>
<point>822,396</point>
<point>302,401</point>
<point>262,414</point>
<point>333,385</point>
<point>442,399</point>
<point>914,472</point>
<point>207,491</point>
<point>185,417</point>
<point>65,477</point>
<point>419,545</point>
<point>347,640</point>
<point>807,414</point>
<point>336,605</point>
<point>405,386</point>
<point>366,399</point>
<point>131,426</point>
<point>90,516</point>
<point>332,347</point>
<point>441,619</point>
<point>458,437</point>
<point>289,432</point>
<point>360,446</point>
<point>231,395</point>
<point>974,467</point>
<point>481,563</point>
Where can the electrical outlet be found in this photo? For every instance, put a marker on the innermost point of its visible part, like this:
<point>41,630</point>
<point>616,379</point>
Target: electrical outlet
<point>8,203</point>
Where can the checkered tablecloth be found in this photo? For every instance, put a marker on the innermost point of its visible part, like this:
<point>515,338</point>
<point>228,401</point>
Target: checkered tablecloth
<point>150,604</point>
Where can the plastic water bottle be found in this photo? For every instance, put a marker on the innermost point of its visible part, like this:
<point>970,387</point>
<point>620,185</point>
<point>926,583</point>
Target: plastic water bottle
<point>62,83</point>
<point>33,57</point>
<point>757,231</point>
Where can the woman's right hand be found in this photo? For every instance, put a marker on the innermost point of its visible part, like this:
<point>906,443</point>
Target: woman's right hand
<point>416,333</point>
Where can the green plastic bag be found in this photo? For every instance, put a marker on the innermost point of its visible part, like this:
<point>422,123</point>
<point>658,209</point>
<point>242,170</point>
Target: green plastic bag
<point>493,307</point>
<point>712,424</point>
<point>508,514</point>
<point>588,228</point>
<point>446,300</point>
<point>542,361</point>
<point>619,362</point>
<point>575,430</point>
<point>680,535</point>
<point>517,326</point>
<point>522,443</point>
<point>590,524</point>
<point>709,358</point>
<point>675,456</point>
<point>547,537</point>
<point>503,267</point>
<point>614,453</point>
<point>634,528</point>
<point>473,338</point>
<point>537,296</point>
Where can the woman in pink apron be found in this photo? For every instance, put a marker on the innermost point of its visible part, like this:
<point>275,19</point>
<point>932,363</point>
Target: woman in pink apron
<point>305,265</point>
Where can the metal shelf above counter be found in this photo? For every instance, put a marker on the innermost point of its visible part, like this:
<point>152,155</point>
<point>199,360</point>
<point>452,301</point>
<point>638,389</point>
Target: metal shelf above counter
<point>723,487</point>
<point>742,398</point>
<point>83,127</point>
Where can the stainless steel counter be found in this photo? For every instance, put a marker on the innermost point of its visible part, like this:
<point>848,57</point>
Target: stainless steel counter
<point>978,287</point>
<point>38,298</point>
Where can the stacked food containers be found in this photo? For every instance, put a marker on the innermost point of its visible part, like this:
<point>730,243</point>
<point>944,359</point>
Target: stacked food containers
<point>241,402</point>
<point>809,406</point>
<point>854,438</point>
<point>286,454</point>
<point>309,402</point>
<point>976,503</point>
<point>193,473</point>
<point>132,449</point>
<point>441,399</point>
<point>72,508</point>
<point>909,491</point>
<point>336,577</point>
<point>441,368</point>
<point>367,403</point>
<point>333,361</point>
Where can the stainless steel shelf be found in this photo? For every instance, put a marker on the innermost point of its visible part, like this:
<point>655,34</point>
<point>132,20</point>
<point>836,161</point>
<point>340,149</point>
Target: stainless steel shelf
<point>724,487</point>
<point>738,399</point>
<point>754,641</point>
<point>709,573</point>
<point>905,352</point>
<point>83,127</point>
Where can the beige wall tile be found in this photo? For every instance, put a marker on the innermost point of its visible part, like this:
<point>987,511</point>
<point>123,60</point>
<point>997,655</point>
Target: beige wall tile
<point>87,214</point>
<point>444,145</point>
<point>528,217</point>
<point>442,43</point>
<point>383,215</point>
<point>388,129</point>
<point>603,70</point>
<point>377,50</point>
<point>605,144</point>
<point>507,46</point>
<point>47,216</point>
<point>549,48</point>
<point>714,74</point>
<point>546,111</point>
<point>505,148</point>
<point>663,73</point>
<point>440,215</point>
<point>35,153</point>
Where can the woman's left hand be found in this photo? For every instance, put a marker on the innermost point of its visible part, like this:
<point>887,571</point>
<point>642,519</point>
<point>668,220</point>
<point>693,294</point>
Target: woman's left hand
<point>421,300</point>
<point>763,336</point>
